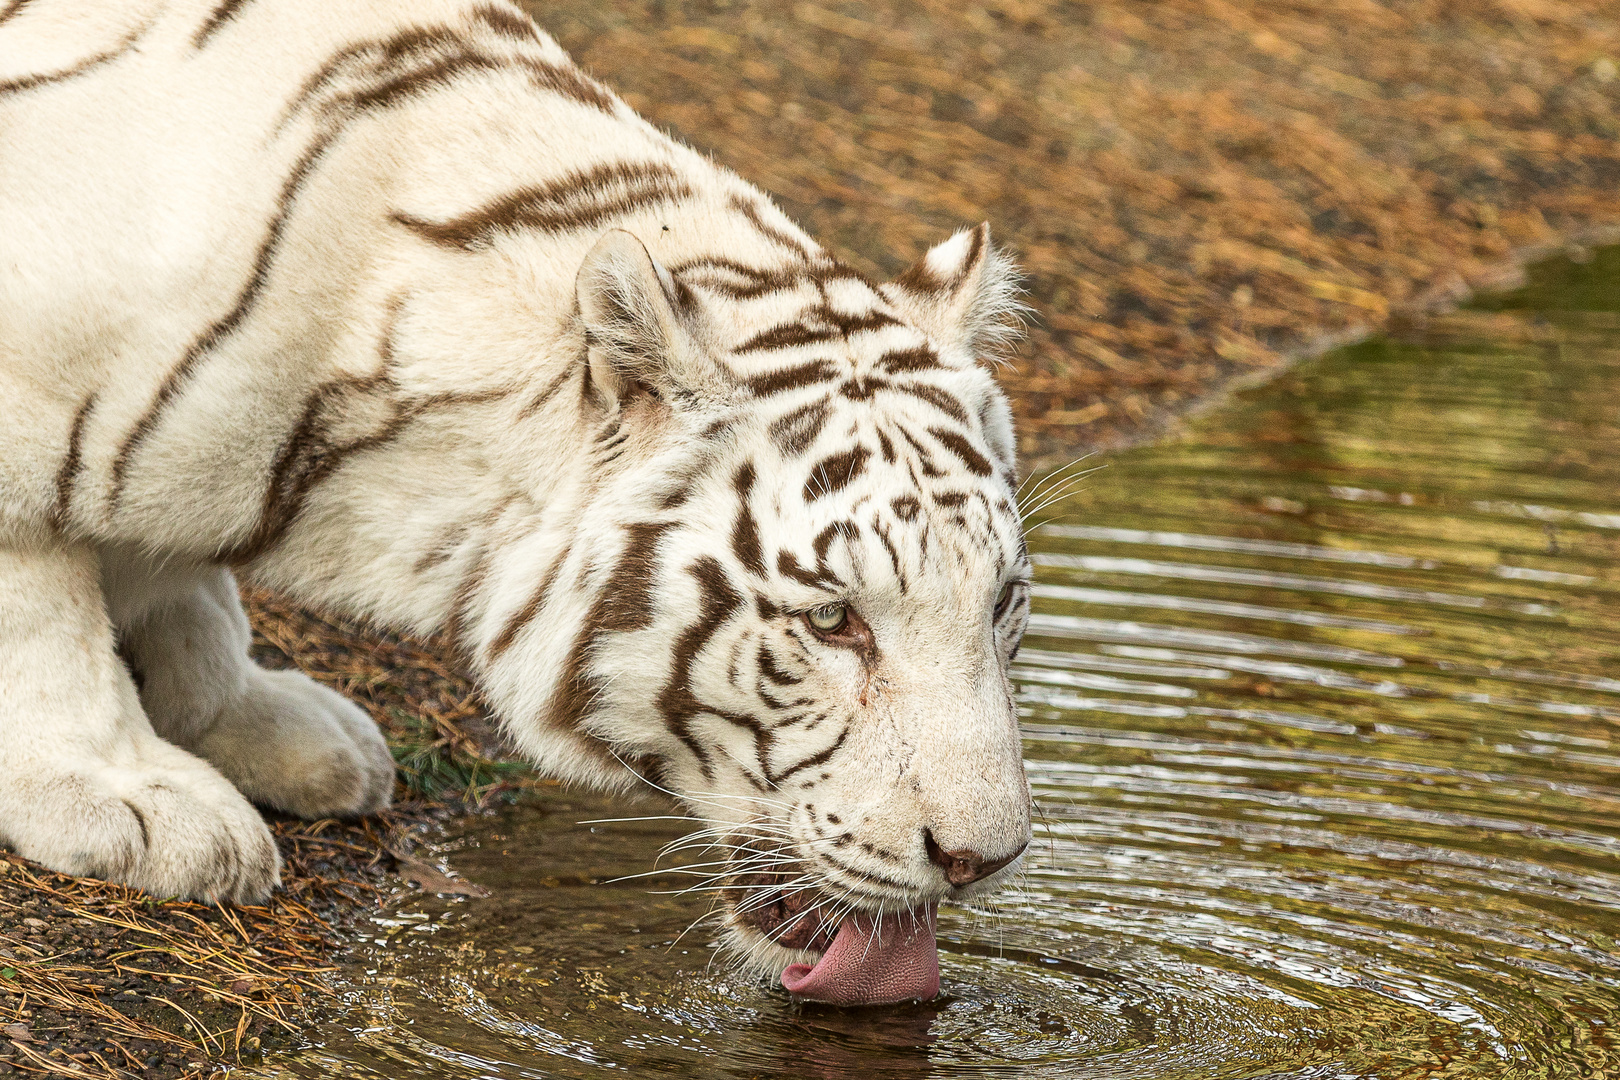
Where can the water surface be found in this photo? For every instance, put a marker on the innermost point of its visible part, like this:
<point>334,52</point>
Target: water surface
<point>1322,706</point>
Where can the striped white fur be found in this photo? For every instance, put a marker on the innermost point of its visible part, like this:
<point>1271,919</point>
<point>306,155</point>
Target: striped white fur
<point>387,306</point>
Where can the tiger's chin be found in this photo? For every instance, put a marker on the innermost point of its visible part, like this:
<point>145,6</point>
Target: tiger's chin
<point>852,959</point>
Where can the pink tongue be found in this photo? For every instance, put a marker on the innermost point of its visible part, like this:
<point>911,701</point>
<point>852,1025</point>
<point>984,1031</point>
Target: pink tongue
<point>892,961</point>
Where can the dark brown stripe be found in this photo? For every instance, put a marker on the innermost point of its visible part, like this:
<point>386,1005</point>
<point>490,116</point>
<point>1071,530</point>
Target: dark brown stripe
<point>824,272</point>
<point>882,532</point>
<point>224,327</point>
<point>575,688</point>
<point>942,400</point>
<point>677,495</point>
<point>760,282</point>
<point>787,336</point>
<point>924,456</point>
<point>850,531</point>
<point>467,591</point>
<point>72,462</point>
<point>625,603</point>
<point>779,704</point>
<point>957,444</point>
<point>507,22</point>
<point>12,9</point>
<point>787,564</point>
<point>441,56</point>
<point>745,532</point>
<point>307,458</point>
<point>222,14</point>
<point>569,83</point>
<point>899,361</point>
<point>793,378</point>
<point>526,614</point>
<point>369,57</point>
<point>886,447</point>
<point>415,82</point>
<point>440,73</point>
<point>773,671</point>
<point>716,428</point>
<point>906,507</point>
<point>862,875</point>
<point>835,472</point>
<point>855,324</point>
<point>797,431</point>
<point>443,549</point>
<point>547,393</point>
<point>679,705</point>
<point>813,760</point>
<point>578,200</point>
<point>32,82</point>
<point>751,211</point>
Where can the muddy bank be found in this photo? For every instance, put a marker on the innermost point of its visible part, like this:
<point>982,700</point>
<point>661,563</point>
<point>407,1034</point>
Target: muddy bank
<point>1199,189</point>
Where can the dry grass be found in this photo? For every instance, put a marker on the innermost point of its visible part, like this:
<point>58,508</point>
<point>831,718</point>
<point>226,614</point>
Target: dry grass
<point>100,980</point>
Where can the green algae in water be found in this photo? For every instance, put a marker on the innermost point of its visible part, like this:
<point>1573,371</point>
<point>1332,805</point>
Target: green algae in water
<point>1322,705</point>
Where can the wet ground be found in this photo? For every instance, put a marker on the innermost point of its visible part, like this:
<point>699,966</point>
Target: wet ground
<point>1322,708</point>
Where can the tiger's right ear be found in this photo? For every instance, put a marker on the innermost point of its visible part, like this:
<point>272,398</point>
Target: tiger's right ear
<point>641,326</point>
<point>963,293</point>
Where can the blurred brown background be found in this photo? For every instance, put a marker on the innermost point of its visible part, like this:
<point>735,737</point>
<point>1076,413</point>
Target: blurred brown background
<point>1198,189</point>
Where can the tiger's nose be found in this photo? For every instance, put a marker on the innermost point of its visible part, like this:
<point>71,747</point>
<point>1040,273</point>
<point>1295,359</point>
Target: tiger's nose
<point>966,866</point>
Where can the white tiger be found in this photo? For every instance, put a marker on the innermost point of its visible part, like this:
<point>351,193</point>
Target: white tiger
<point>387,306</point>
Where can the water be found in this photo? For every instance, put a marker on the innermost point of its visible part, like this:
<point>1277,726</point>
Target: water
<point>1322,706</point>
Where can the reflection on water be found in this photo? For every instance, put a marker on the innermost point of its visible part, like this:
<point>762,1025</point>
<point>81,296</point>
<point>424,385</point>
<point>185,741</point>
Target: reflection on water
<point>1323,720</point>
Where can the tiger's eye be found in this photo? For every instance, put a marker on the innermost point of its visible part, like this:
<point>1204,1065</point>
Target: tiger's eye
<point>828,618</point>
<point>1005,598</point>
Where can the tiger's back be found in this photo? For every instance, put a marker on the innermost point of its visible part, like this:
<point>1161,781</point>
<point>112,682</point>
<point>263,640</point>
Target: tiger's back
<point>194,190</point>
<point>392,308</point>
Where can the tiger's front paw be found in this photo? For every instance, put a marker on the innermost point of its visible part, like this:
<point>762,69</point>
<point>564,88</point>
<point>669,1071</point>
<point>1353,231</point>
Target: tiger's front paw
<point>171,826</point>
<point>293,744</point>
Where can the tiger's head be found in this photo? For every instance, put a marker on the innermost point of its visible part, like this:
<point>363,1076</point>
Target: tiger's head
<point>792,595</point>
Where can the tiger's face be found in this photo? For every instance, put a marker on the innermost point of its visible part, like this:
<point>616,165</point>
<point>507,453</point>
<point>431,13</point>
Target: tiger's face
<point>806,628</point>
<point>877,568</point>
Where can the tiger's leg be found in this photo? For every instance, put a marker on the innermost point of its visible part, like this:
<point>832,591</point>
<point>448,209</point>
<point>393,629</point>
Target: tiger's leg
<point>86,786</point>
<point>282,738</point>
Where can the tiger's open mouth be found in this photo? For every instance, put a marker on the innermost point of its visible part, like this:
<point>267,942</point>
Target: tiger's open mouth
<point>865,959</point>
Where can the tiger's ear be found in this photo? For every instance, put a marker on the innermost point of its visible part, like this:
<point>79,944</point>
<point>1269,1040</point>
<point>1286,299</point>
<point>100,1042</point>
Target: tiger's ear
<point>640,326</point>
<point>962,293</point>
